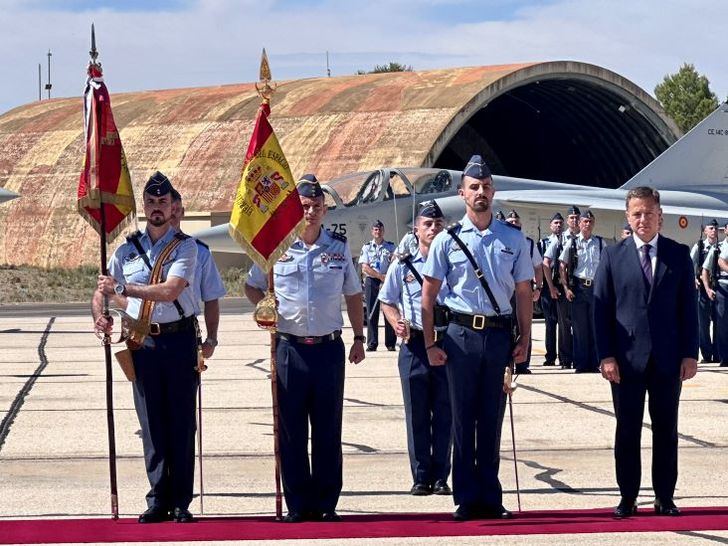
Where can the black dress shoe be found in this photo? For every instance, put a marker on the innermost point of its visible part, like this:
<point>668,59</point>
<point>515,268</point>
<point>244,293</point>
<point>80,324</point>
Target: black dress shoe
<point>182,515</point>
<point>549,363</point>
<point>155,514</point>
<point>331,517</point>
<point>625,508</point>
<point>522,370</point>
<point>370,349</point>
<point>497,513</point>
<point>465,512</point>
<point>421,490</point>
<point>566,366</point>
<point>441,488</point>
<point>666,508</point>
<point>391,348</point>
<point>293,517</point>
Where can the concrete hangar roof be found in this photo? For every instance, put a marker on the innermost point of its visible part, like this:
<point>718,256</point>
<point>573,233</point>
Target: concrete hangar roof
<point>561,121</point>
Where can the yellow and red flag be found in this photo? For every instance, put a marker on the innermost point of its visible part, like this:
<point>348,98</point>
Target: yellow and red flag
<point>105,177</point>
<point>267,213</point>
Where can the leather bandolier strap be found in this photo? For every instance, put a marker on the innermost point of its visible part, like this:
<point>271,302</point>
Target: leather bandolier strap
<point>139,329</point>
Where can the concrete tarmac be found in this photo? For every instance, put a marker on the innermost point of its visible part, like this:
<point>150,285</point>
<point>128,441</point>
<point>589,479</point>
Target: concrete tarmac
<point>53,434</point>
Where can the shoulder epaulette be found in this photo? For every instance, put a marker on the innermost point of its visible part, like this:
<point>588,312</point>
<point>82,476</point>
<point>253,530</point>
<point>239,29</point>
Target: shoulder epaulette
<point>133,236</point>
<point>181,236</point>
<point>454,227</point>
<point>389,243</point>
<point>202,244</point>
<point>337,236</point>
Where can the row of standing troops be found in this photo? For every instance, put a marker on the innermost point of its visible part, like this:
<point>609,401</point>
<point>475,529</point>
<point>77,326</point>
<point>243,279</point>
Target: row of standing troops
<point>475,270</point>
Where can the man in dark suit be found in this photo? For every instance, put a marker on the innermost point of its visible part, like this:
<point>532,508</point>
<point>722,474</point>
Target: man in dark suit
<point>645,315</point>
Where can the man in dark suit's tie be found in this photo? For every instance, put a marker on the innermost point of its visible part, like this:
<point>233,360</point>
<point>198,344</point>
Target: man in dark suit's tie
<point>647,343</point>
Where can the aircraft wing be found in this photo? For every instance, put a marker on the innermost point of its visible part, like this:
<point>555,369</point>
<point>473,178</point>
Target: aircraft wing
<point>610,200</point>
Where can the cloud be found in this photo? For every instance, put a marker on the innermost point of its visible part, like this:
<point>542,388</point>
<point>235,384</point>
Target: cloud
<point>210,42</point>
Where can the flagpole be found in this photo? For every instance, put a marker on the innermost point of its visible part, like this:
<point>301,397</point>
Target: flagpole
<point>274,392</point>
<point>111,429</point>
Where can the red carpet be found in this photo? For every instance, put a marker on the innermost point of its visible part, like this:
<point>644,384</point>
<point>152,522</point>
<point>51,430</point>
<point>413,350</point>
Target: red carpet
<point>374,526</point>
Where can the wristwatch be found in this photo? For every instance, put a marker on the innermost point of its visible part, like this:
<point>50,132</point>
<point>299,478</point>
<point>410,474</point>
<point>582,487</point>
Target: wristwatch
<point>120,289</point>
<point>211,341</point>
<point>361,338</point>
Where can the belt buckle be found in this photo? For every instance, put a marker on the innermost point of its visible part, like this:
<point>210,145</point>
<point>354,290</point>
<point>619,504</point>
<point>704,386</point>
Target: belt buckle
<point>587,282</point>
<point>308,340</point>
<point>154,329</point>
<point>478,322</point>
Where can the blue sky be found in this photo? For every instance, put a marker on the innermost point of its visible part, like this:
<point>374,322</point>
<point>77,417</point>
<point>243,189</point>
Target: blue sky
<point>180,43</point>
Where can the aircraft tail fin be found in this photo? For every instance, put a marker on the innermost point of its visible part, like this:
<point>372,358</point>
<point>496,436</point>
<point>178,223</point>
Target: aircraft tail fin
<point>698,162</point>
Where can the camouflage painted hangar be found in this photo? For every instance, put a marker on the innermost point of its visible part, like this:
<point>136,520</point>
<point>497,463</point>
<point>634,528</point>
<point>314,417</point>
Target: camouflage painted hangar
<point>561,121</point>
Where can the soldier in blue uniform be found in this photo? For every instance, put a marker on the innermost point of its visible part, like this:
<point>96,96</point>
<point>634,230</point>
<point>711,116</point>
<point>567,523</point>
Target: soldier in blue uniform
<point>309,280</point>
<point>208,286</point>
<point>375,258</point>
<point>165,366</point>
<point>478,345</point>
<point>549,304</point>
<point>626,231</point>
<point>707,309</point>
<point>515,220</point>
<point>424,387</point>
<point>579,261</point>
<point>715,286</point>
<point>552,275</point>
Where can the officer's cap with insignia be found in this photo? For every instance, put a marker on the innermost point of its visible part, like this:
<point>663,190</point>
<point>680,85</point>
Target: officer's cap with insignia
<point>573,209</point>
<point>308,186</point>
<point>377,224</point>
<point>513,214</point>
<point>557,216</point>
<point>587,214</point>
<point>158,185</point>
<point>713,223</point>
<point>476,168</point>
<point>176,196</point>
<point>499,215</point>
<point>430,209</point>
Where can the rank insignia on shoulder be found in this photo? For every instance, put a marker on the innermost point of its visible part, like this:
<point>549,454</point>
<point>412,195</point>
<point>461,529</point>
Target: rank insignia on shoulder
<point>337,236</point>
<point>285,258</point>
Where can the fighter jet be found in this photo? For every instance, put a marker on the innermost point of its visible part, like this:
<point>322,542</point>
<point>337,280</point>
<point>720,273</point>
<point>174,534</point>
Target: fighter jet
<point>6,195</point>
<point>691,175</point>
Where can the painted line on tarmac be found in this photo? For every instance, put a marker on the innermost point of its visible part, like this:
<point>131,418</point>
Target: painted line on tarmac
<point>7,422</point>
<point>602,411</point>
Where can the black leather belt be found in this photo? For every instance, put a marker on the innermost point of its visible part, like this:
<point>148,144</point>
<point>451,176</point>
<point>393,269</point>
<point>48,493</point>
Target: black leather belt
<point>310,340</point>
<point>181,325</point>
<point>585,283</point>
<point>481,322</point>
<point>419,334</point>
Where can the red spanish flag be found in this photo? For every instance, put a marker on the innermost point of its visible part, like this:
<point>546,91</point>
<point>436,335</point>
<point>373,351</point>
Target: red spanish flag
<point>105,176</point>
<point>267,213</point>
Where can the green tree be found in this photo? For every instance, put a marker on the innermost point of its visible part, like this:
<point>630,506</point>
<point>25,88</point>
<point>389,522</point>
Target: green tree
<point>686,97</point>
<point>391,67</point>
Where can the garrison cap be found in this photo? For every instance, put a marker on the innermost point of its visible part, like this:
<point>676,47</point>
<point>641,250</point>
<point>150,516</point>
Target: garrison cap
<point>430,209</point>
<point>513,214</point>
<point>573,209</point>
<point>499,215</point>
<point>476,168</point>
<point>627,227</point>
<point>377,224</point>
<point>587,214</point>
<point>557,216</point>
<point>158,185</point>
<point>308,186</point>
<point>713,223</point>
<point>176,196</point>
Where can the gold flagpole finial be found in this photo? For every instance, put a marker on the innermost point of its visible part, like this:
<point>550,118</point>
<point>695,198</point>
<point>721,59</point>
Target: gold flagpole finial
<point>264,87</point>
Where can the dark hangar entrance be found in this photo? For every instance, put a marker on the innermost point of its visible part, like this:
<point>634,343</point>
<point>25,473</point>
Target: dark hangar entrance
<point>562,130</point>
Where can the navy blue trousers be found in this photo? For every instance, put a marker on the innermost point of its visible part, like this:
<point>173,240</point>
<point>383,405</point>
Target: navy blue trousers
<point>371,293</point>
<point>427,413</point>
<point>551,317</point>
<point>707,313</point>
<point>476,361</point>
<point>582,322</point>
<point>566,338</point>
<point>721,308</point>
<point>310,390</point>
<point>629,407</point>
<point>165,400</point>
